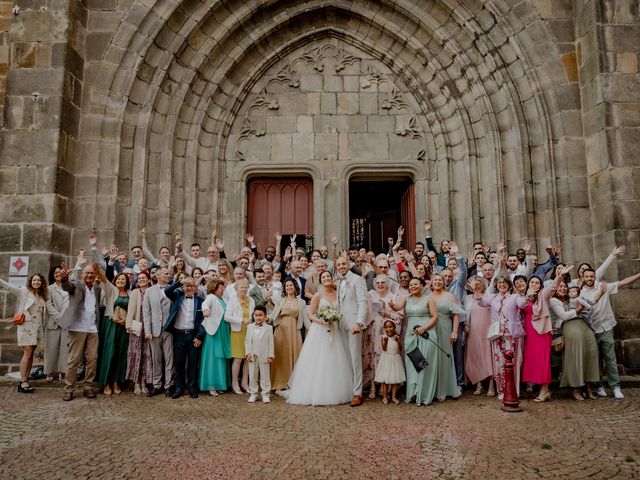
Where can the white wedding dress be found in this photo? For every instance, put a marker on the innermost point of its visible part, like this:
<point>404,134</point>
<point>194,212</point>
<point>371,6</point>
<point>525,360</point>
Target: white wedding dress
<point>322,375</point>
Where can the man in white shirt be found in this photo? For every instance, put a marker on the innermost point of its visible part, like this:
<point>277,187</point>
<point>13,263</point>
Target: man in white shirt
<point>603,321</point>
<point>81,320</point>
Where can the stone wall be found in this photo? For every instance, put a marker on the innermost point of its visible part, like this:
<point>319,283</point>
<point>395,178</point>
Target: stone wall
<point>520,119</point>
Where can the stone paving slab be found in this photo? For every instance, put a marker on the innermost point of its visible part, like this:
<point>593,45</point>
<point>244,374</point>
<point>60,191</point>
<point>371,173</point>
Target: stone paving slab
<point>225,437</point>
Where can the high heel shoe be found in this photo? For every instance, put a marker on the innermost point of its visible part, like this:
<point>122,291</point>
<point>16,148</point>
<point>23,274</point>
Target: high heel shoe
<point>478,390</point>
<point>25,387</point>
<point>543,397</point>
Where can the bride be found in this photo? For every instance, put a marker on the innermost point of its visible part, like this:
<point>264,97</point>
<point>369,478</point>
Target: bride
<point>322,375</point>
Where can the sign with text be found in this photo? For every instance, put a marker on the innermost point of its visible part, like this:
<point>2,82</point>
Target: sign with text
<point>19,265</point>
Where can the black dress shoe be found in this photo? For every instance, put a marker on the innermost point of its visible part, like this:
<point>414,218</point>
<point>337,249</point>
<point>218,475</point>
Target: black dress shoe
<point>89,393</point>
<point>177,395</point>
<point>168,393</point>
<point>155,391</point>
<point>193,394</point>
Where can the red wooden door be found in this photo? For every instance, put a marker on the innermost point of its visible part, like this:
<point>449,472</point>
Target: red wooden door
<point>282,205</point>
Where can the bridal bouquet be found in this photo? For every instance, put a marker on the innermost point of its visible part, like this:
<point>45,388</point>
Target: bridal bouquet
<point>329,314</point>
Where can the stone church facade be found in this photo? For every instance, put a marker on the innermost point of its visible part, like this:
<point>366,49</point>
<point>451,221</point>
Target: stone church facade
<point>495,119</point>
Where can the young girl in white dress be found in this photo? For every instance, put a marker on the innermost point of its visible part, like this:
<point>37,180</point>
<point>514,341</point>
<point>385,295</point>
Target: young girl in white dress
<point>390,370</point>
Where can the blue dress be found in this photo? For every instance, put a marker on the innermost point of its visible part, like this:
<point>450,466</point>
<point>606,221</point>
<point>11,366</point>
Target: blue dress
<point>421,385</point>
<point>214,360</point>
<point>447,385</point>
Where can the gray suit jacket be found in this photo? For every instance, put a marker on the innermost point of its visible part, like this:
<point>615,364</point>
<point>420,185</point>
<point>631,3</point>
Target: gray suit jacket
<point>353,301</point>
<point>76,300</point>
<point>155,310</point>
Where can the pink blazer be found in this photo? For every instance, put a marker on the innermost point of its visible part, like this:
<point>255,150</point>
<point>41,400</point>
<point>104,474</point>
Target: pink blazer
<point>541,318</point>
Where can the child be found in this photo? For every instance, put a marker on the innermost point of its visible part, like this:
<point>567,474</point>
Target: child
<point>258,347</point>
<point>390,370</point>
<point>575,300</point>
<point>276,286</point>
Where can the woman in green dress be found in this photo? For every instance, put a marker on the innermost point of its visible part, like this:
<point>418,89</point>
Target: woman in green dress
<point>449,317</point>
<point>216,350</point>
<point>421,314</point>
<point>113,339</point>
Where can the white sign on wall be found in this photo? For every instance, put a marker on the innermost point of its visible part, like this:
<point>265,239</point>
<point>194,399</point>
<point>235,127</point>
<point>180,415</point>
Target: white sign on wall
<point>19,265</point>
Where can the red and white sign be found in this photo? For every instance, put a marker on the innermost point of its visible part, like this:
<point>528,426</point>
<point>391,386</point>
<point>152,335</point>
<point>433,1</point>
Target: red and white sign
<point>19,265</point>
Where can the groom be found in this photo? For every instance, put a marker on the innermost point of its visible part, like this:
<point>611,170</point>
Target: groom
<point>353,303</point>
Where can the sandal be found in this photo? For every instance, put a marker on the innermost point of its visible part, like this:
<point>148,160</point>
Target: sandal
<point>577,395</point>
<point>543,397</point>
<point>25,387</point>
<point>478,390</point>
<point>107,390</point>
<point>372,394</point>
<point>395,400</point>
<point>116,389</point>
<point>213,393</point>
<point>385,400</point>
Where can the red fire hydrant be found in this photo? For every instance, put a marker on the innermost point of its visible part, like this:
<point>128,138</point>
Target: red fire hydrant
<point>510,401</point>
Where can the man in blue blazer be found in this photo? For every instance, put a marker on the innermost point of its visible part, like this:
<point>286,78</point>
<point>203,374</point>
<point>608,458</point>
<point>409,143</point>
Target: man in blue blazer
<point>185,323</point>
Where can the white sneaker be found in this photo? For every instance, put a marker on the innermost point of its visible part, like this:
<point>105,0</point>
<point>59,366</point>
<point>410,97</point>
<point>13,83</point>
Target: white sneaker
<point>252,398</point>
<point>618,393</point>
<point>266,399</point>
<point>137,390</point>
<point>601,392</point>
<point>282,392</point>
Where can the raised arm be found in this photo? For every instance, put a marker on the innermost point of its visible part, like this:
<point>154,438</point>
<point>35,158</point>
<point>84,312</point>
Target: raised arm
<point>11,288</point>
<point>628,281</point>
<point>145,247</point>
<point>600,271</point>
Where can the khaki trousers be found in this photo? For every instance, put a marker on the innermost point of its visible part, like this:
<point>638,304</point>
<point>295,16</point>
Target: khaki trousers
<point>82,345</point>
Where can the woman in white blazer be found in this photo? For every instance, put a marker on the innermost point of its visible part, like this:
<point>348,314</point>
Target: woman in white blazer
<point>32,302</point>
<point>238,315</point>
<point>56,338</point>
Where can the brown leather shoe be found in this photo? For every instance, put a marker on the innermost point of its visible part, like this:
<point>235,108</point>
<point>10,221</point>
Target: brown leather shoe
<point>357,401</point>
<point>68,395</point>
<point>89,393</point>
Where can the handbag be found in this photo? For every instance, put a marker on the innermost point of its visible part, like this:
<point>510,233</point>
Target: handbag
<point>18,319</point>
<point>494,331</point>
<point>119,316</point>
<point>136,327</point>
<point>418,360</point>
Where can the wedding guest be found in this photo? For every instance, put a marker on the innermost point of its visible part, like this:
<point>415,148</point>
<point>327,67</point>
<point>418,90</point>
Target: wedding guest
<point>179,267</point>
<point>32,300</point>
<point>505,312</point>
<point>81,319</point>
<point>185,323</point>
<point>379,312</point>
<point>260,353</point>
<point>390,370</point>
<point>139,361</point>
<point>216,351</point>
<point>260,293</point>
<point>155,312</point>
<point>447,327</point>
<point>422,316</point>
<point>164,252</point>
<point>580,367</point>
<point>478,363</point>
<point>288,318</point>
<point>603,321</point>
<point>536,358</point>
<point>239,311</point>
<point>56,339</point>
<point>224,271</point>
<point>113,338</point>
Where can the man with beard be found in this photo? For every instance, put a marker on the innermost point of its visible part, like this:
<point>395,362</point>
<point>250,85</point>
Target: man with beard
<point>603,321</point>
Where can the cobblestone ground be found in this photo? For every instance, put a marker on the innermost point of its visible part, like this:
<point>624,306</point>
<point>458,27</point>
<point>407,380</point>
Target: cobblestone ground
<point>125,436</point>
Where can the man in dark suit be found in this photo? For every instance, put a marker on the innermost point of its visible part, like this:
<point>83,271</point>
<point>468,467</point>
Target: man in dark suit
<point>185,323</point>
<point>294,274</point>
<point>81,320</point>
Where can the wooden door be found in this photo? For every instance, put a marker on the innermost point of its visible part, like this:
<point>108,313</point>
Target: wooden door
<point>408,215</point>
<point>282,205</point>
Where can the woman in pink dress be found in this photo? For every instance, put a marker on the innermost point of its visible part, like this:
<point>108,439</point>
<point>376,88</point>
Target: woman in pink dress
<point>478,355</point>
<point>538,328</point>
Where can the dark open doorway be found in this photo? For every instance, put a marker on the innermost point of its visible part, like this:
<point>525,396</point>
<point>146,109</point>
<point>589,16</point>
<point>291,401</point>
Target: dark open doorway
<point>377,208</point>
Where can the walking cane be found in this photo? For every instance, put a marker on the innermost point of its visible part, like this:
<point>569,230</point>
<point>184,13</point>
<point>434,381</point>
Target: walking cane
<point>425,335</point>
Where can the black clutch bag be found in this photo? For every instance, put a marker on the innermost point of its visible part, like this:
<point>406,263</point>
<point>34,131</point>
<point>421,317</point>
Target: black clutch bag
<point>418,360</point>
